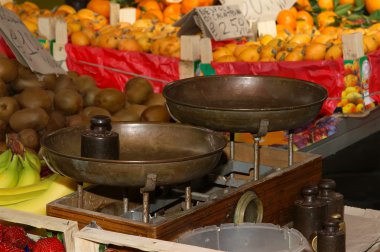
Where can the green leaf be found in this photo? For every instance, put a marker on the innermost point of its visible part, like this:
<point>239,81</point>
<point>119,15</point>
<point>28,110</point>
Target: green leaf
<point>354,17</point>
<point>336,3</point>
<point>102,247</point>
<point>359,2</point>
<point>375,15</point>
<point>358,8</point>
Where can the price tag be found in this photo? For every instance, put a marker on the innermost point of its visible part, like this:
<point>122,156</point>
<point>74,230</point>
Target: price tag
<point>25,46</point>
<point>223,22</point>
<point>260,10</point>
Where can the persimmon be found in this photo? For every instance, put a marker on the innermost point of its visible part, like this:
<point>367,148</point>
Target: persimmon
<point>101,7</point>
<point>153,14</point>
<point>326,18</point>
<point>334,52</point>
<point>315,51</point>
<point>79,38</point>
<point>286,17</point>
<point>129,44</point>
<point>147,5</point>
<point>294,11</point>
<point>303,5</point>
<point>188,5</point>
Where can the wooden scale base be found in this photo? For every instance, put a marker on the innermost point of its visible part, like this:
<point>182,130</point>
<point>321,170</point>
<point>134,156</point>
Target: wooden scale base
<point>276,192</point>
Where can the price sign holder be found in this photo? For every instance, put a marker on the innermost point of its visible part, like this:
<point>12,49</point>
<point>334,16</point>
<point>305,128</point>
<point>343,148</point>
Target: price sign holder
<point>25,46</point>
<point>114,13</point>
<point>217,22</point>
<point>127,15</point>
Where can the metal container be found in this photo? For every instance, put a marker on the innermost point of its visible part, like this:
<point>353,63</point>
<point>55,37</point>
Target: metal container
<point>247,237</point>
<point>99,141</point>
<point>331,239</point>
<point>310,212</point>
<point>334,200</point>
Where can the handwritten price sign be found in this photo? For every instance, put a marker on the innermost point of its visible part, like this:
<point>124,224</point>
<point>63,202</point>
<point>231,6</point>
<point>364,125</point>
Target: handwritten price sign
<point>25,46</point>
<point>223,22</point>
<point>260,10</point>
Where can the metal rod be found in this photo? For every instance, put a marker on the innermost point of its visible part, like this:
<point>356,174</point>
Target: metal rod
<point>232,145</point>
<point>146,207</point>
<point>188,197</point>
<point>125,201</point>
<point>256,154</point>
<point>290,148</point>
<point>80,194</point>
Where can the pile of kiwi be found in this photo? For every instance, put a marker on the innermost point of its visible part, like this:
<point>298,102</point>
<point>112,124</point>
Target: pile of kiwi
<point>33,105</point>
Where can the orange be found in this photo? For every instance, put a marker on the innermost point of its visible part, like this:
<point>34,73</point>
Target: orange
<point>286,17</point>
<point>326,4</point>
<point>372,5</point>
<point>347,2</point>
<point>128,44</point>
<point>153,14</point>
<point>303,27</point>
<point>334,52</point>
<point>294,11</point>
<point>172,13</point>
<point>188,5</point>
<point>101,7</point>
<point>147,5</point>
<point>294,56</point>
<point>303,5</point>
<point>304,15</point>
<point>326,18</point>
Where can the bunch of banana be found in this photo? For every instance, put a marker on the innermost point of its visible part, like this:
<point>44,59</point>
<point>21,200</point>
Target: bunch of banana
<point>17,170</point>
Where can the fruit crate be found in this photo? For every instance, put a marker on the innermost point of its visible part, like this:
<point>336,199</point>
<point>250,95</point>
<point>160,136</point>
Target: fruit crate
<point>67,227</point>
<point>90,240</point>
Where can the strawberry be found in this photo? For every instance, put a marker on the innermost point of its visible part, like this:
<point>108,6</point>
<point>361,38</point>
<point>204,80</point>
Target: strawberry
<point>49,244</point>
<point>9,248</point>
<point>1,232</point>
<point>15,236</point>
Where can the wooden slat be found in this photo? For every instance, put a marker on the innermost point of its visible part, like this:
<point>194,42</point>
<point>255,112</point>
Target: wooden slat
<point>88,239</point>
<point>67,227</point>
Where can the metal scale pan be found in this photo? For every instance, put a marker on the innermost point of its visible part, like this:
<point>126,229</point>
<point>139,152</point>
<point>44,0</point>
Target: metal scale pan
<point>151,155</point>
<point>245,103</point>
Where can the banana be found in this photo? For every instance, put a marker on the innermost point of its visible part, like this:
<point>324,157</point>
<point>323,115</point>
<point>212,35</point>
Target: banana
<point>5,158</point>
<point>42,185</point>
<point>9,177</point>
<point>33,159</point>
<point>60,187</point>
<point>28,175</point>
<point>13,199</point>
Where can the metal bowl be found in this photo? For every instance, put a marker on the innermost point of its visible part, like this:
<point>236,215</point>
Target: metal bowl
<point>239,103</point>
<point>176,153</point>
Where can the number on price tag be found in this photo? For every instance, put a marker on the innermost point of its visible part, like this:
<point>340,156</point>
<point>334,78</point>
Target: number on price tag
<point>25,46</point>
<point>224,22</point>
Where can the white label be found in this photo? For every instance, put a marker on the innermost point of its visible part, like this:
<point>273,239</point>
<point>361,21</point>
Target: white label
<point>224,22</point>
<point>262,10</point>
<point>25,46</point>
<point>128,15</point>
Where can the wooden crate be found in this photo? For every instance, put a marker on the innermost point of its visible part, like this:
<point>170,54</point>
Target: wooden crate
<point>67,227</point>
<point>277,191</point>
<point>89,239</point>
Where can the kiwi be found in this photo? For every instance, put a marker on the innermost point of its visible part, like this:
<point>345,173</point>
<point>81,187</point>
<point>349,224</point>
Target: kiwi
<point>49,81</point>
<point>126,115</point>
<point>3,88</point>
<point>8,69</point>
<point>26,78</point>
<point>138,90</point>
<point>139,109</point>
<point>68,101</point>
<point>35,97</point>
<point>30,138</point>
<point>93,111</point>
<point>72,74</point>
<point>64,82</point>
<point>29,118</point>
<point>77,120</point>
<point>89,97</point>
<point>110,99</point>
<point>84,83</point>
<point>56,121</point>
<point>8,106</point>
<point>155,99</point>
<point>3,130</point>
<point>157,113</point>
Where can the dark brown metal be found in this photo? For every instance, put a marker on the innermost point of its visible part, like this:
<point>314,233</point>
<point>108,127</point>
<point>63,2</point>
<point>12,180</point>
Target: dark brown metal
<point>310,212</point>
<point>145,207</point>
<point>256,148</point>
<point>331,239</point>
<point>334,200</point>
<point>176,153</point>
<point>238,103</point>
<point>99,141</point>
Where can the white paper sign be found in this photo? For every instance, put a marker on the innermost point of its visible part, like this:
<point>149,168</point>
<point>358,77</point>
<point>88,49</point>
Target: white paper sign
<point>25,46</point>
<point>262,10</point>
<point>222,22</point>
